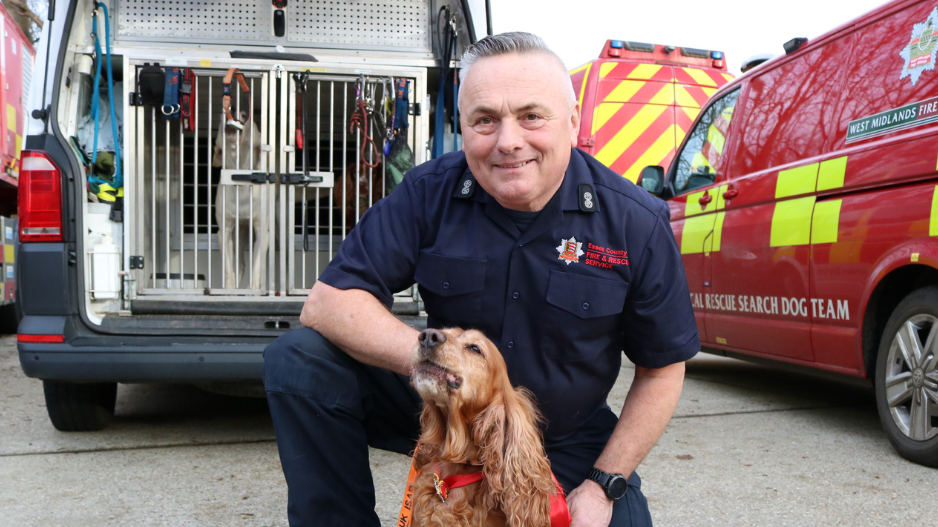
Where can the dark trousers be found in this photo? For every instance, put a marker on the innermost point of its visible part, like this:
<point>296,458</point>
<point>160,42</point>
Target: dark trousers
<point>328,408</point>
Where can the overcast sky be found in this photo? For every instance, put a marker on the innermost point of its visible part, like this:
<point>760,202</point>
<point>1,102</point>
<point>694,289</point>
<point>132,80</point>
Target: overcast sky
<point>577,29</point>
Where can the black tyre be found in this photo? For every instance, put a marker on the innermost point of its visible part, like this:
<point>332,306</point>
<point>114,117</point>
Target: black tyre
<point>907,377</point>
<point>80,407</point>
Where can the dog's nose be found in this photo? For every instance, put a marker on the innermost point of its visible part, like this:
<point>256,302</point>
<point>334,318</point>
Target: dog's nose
<point>431,338</point>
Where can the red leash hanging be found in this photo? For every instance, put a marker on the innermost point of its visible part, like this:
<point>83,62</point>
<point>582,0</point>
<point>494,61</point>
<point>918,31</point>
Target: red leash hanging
<point>359,120</point>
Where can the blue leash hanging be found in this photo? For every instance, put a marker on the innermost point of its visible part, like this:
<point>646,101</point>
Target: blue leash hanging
<point>95,107</point>
<point>448,52</point>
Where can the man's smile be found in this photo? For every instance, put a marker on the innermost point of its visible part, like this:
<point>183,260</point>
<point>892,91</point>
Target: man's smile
<point>516,165</point>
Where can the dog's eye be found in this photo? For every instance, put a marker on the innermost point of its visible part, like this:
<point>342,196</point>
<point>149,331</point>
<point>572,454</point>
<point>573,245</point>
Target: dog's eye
<point>474,348</point>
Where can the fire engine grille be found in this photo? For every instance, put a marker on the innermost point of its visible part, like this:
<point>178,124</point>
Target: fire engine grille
<point>237,213</point>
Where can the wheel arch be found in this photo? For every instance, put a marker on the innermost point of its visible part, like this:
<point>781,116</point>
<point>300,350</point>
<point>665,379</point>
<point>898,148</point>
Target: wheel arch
<point>886,295</point>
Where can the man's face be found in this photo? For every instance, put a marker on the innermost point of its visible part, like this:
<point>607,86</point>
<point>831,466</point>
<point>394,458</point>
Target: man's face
<point>518,128</point>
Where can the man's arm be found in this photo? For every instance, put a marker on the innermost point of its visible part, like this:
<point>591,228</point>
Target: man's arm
<point>648,408</point>
<point>355,321</point>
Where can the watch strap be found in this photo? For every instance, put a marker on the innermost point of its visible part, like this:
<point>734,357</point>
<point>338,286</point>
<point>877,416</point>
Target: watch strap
<point>605,481</point>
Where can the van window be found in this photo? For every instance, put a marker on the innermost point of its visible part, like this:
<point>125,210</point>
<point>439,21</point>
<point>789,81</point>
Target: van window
<point>702,156</point>
<point>789,110</point>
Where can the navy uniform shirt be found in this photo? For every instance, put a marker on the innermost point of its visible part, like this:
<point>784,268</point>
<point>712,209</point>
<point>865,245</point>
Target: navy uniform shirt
<point>597,272</point>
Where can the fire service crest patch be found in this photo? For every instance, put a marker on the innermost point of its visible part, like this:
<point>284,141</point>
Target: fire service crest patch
<point>570,250</point>
<point>919,55</point>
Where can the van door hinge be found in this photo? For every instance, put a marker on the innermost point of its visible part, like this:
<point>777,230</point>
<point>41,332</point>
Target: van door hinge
<point>136,262</point>
<point>414,108</point>
<point>72,258</point>
<point>136,99</point>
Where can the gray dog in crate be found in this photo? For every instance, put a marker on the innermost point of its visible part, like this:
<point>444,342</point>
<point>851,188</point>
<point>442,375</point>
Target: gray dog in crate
<point>244,207</point>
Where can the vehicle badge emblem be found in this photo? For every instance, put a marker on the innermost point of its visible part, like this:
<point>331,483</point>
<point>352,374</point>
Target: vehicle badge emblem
<point>570,250</point>
<point>919,55</point>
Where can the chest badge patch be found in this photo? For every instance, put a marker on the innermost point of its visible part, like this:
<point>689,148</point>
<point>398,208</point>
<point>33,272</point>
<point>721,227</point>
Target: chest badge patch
<point>570,250</point>
<point>919,55</point>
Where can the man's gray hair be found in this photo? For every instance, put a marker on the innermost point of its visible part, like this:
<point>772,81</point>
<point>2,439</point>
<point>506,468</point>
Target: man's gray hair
<point>505,43</point>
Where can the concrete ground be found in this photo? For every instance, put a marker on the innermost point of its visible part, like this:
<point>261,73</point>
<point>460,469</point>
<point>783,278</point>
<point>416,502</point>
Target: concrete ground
<point>748,446</point>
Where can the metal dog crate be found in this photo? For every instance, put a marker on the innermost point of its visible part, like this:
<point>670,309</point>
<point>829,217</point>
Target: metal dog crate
<point>174,196</point>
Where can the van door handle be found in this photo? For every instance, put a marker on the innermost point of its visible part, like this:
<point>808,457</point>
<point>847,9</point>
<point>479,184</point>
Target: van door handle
<point>730,193</point>
<point>705,199</point>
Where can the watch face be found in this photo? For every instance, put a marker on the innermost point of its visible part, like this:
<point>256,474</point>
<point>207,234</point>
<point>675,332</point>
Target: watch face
<point>617,487</point>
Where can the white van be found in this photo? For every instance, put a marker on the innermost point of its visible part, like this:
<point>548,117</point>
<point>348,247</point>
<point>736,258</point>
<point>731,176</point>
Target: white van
<point>250,138</point>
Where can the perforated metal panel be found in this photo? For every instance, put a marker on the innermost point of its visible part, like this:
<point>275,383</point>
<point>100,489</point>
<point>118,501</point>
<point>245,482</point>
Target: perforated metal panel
<point>200,20</point>
<point>402,24</point>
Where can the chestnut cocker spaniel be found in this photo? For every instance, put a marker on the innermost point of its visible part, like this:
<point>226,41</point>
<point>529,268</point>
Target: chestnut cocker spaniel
<point>480,458</point>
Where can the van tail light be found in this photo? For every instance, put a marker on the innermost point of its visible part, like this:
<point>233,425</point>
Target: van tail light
<point>40,198</point>
<point>41,339</point>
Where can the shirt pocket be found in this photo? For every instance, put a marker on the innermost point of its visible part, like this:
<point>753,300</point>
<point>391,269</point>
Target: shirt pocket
<point>583,315</point>
<point>451,288</point>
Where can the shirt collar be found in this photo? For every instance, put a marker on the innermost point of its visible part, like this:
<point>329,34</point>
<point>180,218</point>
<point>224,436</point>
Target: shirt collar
<point>577,191</point>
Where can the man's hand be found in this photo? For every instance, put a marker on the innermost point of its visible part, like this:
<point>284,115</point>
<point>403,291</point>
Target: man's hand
<point>589,506</point>
<point>356,322</point>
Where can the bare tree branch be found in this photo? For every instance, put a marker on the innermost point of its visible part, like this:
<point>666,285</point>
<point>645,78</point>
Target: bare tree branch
<point>24,10</point>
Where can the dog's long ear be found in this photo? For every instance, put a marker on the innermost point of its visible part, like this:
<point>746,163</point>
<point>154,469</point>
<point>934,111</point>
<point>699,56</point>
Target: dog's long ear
<point>432,433</point>
<point>516,469</point>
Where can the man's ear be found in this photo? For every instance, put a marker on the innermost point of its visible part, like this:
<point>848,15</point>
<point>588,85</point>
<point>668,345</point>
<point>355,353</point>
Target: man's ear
<point>574,124</point>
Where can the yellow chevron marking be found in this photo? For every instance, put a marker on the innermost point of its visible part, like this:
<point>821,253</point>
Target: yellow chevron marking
<point>629,133</point>
<point>655,153</point>
<point>691,112</point>
<point>665,95</point>
<point>709,91</point>
<point>727,76</point>
<point>605,68</point>
<point>683,98</point>
<point>603,113</point>
<point>831,173</point>
<point>695,234</point>
<point>9,254</point>
<point>700,77</point>
<point>826,222</point>
<point>644,71</point>
<point>791,222</point>
<point>795,181</point>
<point>679,134</point>
<point>933,222</point>
<point>624,91</point>
<point>11,117</point>
<point>585,76</point>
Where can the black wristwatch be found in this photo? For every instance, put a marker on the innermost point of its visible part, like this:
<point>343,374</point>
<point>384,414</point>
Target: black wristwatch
<point>614,485</point>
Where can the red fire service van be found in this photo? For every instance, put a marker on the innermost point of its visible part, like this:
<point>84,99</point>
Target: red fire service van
<point>808,222</point>
<point>638,101</point>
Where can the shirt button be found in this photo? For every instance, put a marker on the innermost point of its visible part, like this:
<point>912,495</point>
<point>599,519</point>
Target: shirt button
<point>586,305</point>
<point>511,345</point>
<point>445,285</point>
<point>515,295</point>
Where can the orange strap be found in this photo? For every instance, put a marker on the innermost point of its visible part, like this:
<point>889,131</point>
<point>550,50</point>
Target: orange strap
<point>407,507</point>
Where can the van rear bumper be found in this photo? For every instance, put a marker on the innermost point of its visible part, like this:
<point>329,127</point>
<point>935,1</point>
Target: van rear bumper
<point>208,362</point>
